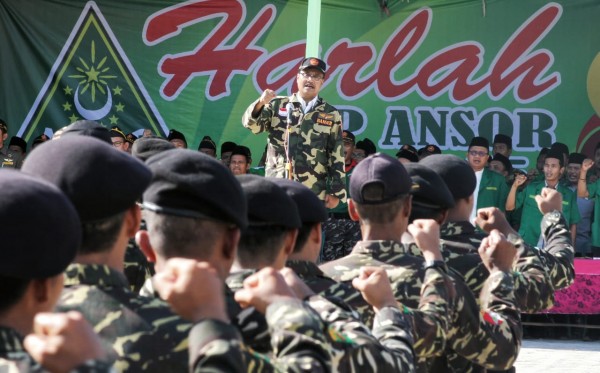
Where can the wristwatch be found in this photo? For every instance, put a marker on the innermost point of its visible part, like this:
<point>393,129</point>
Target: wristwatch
<point>435,264</point>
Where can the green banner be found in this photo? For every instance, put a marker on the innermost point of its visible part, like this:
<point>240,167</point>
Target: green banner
<point>418,72</point>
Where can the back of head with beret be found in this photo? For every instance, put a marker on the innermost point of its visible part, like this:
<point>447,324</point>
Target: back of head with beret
<point>88,128</point>
<point>383,170</point>
<point>268,204</point>
<point>456,173</point>
<point>28,204</point>
<point>145,147</point>
<point>310,207</point>
<point>100,180</point>
<point>428,189</point>
<point>191,184</point>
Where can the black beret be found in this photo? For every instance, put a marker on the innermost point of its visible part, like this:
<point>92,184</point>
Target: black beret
<point>480,141</point>
<point>192,184</point>
<point>15,140</point>
<point>559,146</point>
<point>176,135</point>
<point>428,188</point>
<point>504,160</point>
<point>456,173</point>
<point>41,231</point>
<point>366,145</point>
<point>501,138</point>
<point>100,181</point>
<point>89,128</point>
<point>207,143</point>
<point>348,136</point>
<point>227,146</point>
<point>409,152</point>
<point>268,204</point>
<point>310,207</point>
<point>556,154</point>
<point>379,169</point>
<point>429,149</point>
<point>576,158</point>
<point>115,131</point>
<point>146,147</point>
<point>313,62</point>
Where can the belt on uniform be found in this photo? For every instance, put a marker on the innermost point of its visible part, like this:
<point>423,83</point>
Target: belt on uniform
<point>339,215</point>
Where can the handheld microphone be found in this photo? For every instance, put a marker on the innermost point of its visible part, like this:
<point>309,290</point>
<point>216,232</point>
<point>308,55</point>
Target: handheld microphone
<point>289,108</point>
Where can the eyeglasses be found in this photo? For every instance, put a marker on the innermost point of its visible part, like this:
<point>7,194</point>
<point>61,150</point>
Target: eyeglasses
<point>476,153</point>
<point>358,155</point>
<point>116,144</point>
<point>316,78</point>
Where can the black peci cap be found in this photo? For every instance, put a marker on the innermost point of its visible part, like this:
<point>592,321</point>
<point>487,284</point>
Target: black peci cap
<point>17,141</point>
<point>207,143</point>
<point>503,139</point>
<point>409,152</point>
<point>480,141</point>
<point>504,160</point>
<point>176,135</point>
<point>577,158</point>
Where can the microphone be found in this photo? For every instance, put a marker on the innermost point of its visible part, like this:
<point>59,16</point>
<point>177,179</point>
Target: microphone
<point>289,108</point>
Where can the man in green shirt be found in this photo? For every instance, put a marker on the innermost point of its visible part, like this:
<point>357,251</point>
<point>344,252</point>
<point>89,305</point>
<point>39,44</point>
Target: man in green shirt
<point>530,219</point>
<point>591,191</point>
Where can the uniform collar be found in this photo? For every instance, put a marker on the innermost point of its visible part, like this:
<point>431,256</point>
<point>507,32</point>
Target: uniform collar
<point>94,274</point>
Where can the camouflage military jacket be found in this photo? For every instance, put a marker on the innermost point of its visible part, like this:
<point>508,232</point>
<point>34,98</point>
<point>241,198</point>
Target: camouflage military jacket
<point>558,252</point>
<point>136,267</point>
<point>311,274</point>
<point>140,333</point>
<point>14,358</point>
<point>533,289</point>
<point>298,344</point>
<point>352,346</point>
<point>448,321</point>
<point>315,143</point>
<point>10,159</point>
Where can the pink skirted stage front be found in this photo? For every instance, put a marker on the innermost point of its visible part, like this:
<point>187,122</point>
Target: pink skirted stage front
<point>583,296</point>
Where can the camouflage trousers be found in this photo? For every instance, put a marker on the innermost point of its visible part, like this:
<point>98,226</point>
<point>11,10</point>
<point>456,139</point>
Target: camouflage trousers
<point>339,237</point>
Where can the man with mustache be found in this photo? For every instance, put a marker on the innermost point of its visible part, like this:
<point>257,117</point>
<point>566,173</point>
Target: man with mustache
<point>305,134</point>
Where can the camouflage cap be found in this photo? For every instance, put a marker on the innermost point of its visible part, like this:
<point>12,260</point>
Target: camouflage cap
<point>207,143</point>
<point>383,170</point>
<point>115,131</point>
<point>428,188</point>
<point>268,204</point>
<point>191,184</point>
<point>456,173</point>
<point>310,207</point>
<point>99,180</point>
<point>348,136</point>
<point>27,202</point>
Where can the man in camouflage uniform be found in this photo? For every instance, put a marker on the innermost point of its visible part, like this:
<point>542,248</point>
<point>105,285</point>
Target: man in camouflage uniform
<point>489,336</point>
<point>140,333</point>
<point>305,134</point>
<point>195,209</point>
<point>8,158</point>
<point>273,223</point>
<point>534,288</point>
<point>31,281</point>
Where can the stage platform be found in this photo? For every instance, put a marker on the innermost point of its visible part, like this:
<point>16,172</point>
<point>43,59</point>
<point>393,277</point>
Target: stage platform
<point>583,296</point>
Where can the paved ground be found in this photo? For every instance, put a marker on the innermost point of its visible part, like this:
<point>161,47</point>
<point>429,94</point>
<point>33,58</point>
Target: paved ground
<point>558,356</point>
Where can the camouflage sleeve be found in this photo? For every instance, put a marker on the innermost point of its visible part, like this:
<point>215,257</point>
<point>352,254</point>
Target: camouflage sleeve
<point>262,122</point>
<point>336,163</point>
<point>558,252</point>
<point>533,289</point>
<point>431,319</point>
<point>216,347</point>
<point>297,338</point>
<point>94,366</point>
<point>355,349</point>
<point>490,336</point>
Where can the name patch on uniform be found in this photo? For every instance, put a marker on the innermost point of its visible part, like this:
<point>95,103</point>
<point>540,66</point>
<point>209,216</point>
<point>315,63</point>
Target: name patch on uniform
<point>325,119</point>
<point>491,188</point>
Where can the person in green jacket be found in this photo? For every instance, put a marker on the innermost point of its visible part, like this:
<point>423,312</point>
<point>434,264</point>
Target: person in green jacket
<point>491,189</point>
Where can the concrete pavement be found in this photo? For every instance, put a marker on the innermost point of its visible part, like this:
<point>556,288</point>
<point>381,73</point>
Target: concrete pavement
<point>559,356</point>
